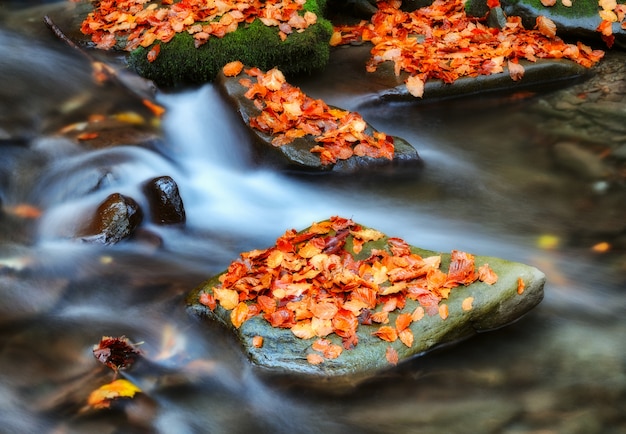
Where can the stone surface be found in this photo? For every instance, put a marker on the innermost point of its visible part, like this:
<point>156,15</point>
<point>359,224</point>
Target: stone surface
<point>115,220</point>
<point>543,72</point>
<point>493,306</point>
<point>166,205</point>
<point>577,22</point>
<point>297,155</point>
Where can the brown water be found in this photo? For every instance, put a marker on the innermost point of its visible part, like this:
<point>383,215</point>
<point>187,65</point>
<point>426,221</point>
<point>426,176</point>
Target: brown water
<point>489,186</point>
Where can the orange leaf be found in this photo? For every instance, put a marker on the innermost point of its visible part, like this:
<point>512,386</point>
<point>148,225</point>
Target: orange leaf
<point>24,210</point>
<point>156,109</point>
<point>516,71</point>
<point>314,358</point>
<point>257,341</point>
<point>406,337</point>
<point>386,333</point>
<point>391,355</point>
<point>303,329</point>
<point>487,275</point>
<point>321,345</point>
<point>546,26</point>
<point>154,53</point>
<point>87,136</point>
<point>443,311</point>
<point>467,303</point>
<point>333,351</point>
<point>232,69</point>
<point>403,321</point>
<point>239,314</point>
<point>418,313</point>
<point>415,86</point>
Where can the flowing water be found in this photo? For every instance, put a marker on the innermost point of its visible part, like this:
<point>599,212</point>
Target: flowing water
<point>488,186</point>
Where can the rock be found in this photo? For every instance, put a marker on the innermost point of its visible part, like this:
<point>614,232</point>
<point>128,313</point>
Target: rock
<point>553,72</point>
<point>297,155</point>
<point>115,220</point>
<point>583,162</point>
<point>493,306</point>
<point>181,63</point>
<point>166,205</point>
<point>577,22</point>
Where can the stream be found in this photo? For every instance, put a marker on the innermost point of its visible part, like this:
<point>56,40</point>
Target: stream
<point>489,186</point>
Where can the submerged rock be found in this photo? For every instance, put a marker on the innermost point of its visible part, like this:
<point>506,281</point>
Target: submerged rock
<point>408,293</point>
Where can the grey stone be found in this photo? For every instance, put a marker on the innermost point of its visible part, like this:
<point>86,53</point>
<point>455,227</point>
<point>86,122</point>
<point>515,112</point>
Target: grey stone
<point>115,220</point>
<point>580,160</point>
<point>297,155</point>
<point>494,306</point>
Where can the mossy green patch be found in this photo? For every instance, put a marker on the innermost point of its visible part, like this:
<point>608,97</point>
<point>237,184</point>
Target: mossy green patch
<point>181,63</point>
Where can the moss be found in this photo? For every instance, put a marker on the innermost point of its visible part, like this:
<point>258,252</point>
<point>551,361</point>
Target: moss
<point>180,63</point>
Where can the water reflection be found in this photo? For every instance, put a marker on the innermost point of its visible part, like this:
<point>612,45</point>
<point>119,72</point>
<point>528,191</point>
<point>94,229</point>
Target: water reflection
<point>488,187</point>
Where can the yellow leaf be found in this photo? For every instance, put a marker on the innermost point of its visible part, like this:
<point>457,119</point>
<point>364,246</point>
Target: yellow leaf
<point>228,298</point>
<point>102,397</point>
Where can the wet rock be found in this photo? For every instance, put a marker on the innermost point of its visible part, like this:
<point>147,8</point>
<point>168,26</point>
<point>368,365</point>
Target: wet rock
<point>166,205</point>
<point>543,72</point>
<point>297,155</point>
<point>493,306</point>
<point>357,8</point>
<point>577,22</point>
<point>115,220</point>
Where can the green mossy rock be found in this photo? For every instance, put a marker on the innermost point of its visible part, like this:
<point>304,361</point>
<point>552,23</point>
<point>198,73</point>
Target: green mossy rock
<point>181,63</point>
<point>297,155</point>
<point>578,22</point>
<point>283,353</point>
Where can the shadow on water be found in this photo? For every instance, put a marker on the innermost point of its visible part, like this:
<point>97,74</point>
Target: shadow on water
<point>487,187</point>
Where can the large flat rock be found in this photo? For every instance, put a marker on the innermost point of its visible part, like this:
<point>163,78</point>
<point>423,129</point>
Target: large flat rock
<point>492,306</point>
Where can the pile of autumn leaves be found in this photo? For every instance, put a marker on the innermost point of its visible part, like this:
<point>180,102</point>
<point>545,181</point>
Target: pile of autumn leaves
<point>441,42</point>
<point>286,114</point>
<point>143,22</point>
<point>310,283</point>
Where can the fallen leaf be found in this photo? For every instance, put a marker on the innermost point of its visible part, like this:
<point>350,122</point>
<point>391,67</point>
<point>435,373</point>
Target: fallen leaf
<point>106,394</point>
<point>116,352</point>
<point>415,86</point>
<point>257,341</point>
<point>546,26</point>
<point>392,355</point>
<point>467,303</point>
<point>232,69</point>
<point>516,71</point>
